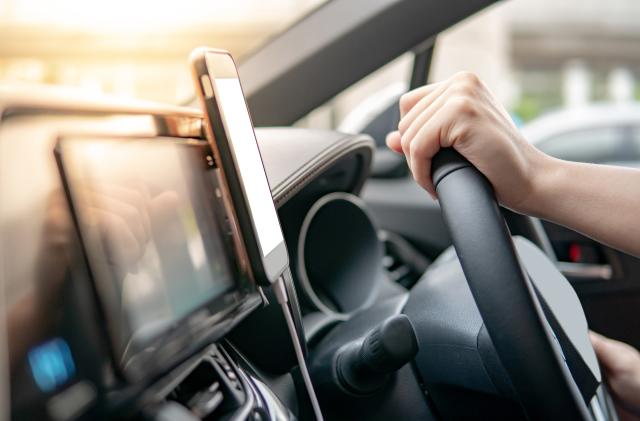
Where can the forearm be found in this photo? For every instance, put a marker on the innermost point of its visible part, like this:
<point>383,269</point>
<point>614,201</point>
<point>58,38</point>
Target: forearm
<point>599,201</point>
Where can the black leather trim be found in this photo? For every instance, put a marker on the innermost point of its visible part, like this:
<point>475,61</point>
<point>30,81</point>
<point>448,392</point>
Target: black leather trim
<point>294,157</point>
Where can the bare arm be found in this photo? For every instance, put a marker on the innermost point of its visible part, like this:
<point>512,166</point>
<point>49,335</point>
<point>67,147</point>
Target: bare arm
<point>599,201</point>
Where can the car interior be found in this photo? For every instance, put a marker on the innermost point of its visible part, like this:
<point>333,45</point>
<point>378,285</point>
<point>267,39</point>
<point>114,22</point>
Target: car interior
<point>398,306</point>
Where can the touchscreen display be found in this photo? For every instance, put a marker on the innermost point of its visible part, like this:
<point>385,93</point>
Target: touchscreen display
<point>152,237</point>
<point>244,147</point>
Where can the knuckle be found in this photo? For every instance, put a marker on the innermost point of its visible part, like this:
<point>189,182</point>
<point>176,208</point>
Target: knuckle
<point>463,105</point>
<point>460,133</point>
<point>468,77</point>
<point>405,141</point>
<point>416,150</point>
<point>403,125</point>
<point>467,85</point>
<point>465,89</point>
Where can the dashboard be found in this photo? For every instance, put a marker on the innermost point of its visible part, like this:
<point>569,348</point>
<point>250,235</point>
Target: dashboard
<point>61,364</point>
<point>225,350</point>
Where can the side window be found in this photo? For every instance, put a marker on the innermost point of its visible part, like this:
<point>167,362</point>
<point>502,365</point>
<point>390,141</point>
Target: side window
<point>353,109</point>
<point>595,145</point>
<point>634,143</point>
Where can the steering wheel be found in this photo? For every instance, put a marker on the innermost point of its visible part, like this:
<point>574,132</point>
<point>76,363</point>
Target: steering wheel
<point>506,299</point>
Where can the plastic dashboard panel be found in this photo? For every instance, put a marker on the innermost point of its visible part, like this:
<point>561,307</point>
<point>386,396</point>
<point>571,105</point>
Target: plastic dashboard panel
<point>299,163</point>
<point>293,158</point>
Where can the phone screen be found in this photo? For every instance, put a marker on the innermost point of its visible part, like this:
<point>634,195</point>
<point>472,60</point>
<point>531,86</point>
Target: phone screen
<point>245,151</point>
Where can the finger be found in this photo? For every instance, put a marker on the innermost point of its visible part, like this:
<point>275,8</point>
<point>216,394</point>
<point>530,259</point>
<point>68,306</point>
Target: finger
<point>165,201</point>
<point>129,214</point>
<point>145,195</point>
<point>411,98</point>
<point>125,200</point>
<point>421,173</point>
<point>615,356</point>
<point>425,115</point>
<point>167,225</point>
<point>597,343</point>
<point>407,139</point>
<point>122,245</point>
<point>137,197</point>
<point>424,146</point>
<point>119,192</point>
<point>393,141</point>
<point>405,142</point>
<point>423,103</point>
<point>163,208</point>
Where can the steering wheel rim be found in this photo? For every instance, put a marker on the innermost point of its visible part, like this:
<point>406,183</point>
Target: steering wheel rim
<point>523,339</point>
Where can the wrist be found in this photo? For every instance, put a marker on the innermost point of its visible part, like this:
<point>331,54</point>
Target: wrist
<point>544,181</point>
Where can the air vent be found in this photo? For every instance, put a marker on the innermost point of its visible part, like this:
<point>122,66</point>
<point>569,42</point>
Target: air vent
<point>212,389</point>
<point>402,262</point>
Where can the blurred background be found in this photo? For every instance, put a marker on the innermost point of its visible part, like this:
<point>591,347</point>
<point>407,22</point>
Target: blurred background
<point>136,48</point>
<point>536,55</point>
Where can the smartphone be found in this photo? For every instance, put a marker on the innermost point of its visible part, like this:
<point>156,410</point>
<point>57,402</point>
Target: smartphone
<point>235,148</point>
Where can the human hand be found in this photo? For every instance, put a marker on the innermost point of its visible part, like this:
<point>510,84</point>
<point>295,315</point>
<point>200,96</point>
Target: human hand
<point>123,218</point>
<point>621,365</point>
<point>461,112</point>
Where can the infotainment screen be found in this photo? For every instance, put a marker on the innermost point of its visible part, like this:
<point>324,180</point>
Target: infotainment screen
<point>153,231</point>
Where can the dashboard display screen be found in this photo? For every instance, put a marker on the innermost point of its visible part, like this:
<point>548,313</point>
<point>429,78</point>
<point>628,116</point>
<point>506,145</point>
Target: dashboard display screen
<point>153,240</point>
<point>245,151</point>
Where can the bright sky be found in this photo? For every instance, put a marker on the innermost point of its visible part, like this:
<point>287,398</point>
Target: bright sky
<point>130,47</point>
<point>144,15</point>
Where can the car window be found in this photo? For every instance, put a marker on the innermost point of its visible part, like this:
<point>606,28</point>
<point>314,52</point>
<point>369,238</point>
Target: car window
<point>596,145</point>
<point>534,61</point>
<point>634,142</point>
<point>355,107</point>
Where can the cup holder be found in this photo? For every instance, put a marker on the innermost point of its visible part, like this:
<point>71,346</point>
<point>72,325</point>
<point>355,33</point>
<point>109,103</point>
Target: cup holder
<point>339,256</point>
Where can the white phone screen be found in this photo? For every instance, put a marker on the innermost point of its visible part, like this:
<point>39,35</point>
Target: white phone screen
<point>249,163</point>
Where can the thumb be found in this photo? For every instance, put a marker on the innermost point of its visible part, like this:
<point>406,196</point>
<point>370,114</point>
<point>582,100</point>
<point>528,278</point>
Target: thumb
<point>612,354</point>
<point>394,141</point>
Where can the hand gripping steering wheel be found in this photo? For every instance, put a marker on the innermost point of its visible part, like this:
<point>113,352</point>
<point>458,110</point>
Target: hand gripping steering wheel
<point>505,296</point>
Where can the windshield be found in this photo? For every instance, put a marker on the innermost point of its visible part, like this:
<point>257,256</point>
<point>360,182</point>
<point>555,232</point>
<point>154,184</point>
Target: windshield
<point>130,48</point>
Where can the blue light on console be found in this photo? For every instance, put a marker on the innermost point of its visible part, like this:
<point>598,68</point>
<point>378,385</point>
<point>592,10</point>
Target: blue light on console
<point>51,364</point>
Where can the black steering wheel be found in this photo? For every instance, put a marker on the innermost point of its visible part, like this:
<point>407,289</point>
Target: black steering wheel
<point>512,313</point>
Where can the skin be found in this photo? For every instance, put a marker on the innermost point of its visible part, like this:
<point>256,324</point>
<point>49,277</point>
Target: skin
<point>461,113</point>
<point>621,364</point>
